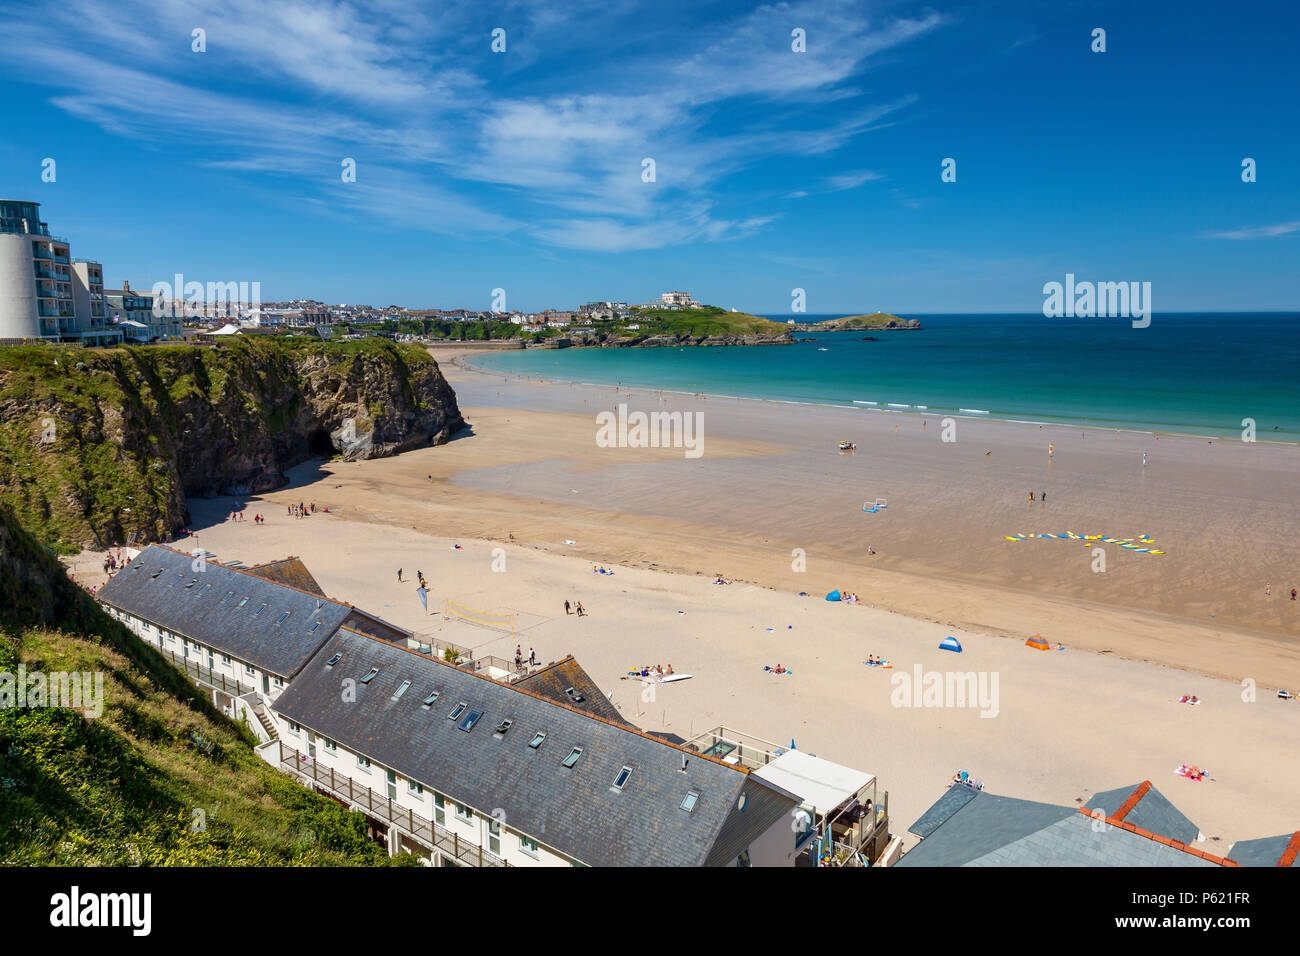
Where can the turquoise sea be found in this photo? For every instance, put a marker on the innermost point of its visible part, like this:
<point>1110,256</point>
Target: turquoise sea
<point>1188,372</point>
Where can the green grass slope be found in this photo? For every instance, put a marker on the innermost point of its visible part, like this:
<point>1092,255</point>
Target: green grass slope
<point>161,777</point>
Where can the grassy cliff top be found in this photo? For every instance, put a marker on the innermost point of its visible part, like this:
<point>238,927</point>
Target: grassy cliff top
<point>159,777</point>
<point>875,320</point>
<point>707,320</point>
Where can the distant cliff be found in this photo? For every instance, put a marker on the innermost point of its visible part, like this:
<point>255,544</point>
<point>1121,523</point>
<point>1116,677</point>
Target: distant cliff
<point>98,445</point>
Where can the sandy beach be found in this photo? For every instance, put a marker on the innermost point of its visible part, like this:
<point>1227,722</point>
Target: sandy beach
<point>1101,714</point>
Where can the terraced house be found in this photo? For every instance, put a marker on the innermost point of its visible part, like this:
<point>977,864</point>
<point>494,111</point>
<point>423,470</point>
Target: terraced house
<point>447,763</point>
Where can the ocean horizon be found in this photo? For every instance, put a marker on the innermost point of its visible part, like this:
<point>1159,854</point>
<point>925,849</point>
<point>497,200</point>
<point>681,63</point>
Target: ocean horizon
<point>1195,373</point>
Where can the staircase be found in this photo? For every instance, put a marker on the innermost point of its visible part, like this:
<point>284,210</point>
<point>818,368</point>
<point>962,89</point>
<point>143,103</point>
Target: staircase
<point>265,720</point>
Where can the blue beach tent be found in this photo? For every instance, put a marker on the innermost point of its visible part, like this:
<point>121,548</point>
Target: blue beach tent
<point>950,643</point>
<point>833,596</point>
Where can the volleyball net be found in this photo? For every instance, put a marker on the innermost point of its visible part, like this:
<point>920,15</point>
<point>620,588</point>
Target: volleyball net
<point>463,612</point>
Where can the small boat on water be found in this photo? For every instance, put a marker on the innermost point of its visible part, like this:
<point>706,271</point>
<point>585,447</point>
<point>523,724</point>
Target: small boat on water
<point>848,446</point>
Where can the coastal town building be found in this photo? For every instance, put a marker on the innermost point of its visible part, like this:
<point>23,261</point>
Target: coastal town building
<point>1129,826</point>
<point>678,300</point>
<point>471,763</point>
<point>45,294</point>
<point>141,321</point>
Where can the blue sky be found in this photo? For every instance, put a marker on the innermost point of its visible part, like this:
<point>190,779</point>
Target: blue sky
<point>774,169</point>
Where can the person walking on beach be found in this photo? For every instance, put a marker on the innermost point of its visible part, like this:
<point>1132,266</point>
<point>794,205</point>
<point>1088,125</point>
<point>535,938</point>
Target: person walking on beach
<point>582,610</point>
<point>1292,598</point>
<point>1031,497</point>
<point>532,657</point>
<point>567,607</point>
<point>519,658</point>
<point>399,575</point>
<point>1043,497</point>
<point>1144,459</point>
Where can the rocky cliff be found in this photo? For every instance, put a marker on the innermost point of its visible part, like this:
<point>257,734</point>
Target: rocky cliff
<point>97,446</point>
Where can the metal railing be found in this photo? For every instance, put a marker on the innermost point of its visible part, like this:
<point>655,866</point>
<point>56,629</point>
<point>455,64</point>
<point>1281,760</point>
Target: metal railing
<point>383,808</point>
<point>204,675</point>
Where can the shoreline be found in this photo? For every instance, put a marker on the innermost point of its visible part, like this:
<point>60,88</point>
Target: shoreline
<point>459,358</point>
<point>931,590</point>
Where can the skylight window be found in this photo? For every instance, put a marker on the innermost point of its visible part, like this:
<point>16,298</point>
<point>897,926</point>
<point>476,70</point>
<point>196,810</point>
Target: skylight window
<point>470,719</point>
<point>205,589</point>
<point>334,660</point>
<point>460,709</point>
<point>370,675</point>
<point>177,580</point>
<point>243,601</point>
<point>193,581</point>
<point>402,690</point>
<point>229,595</point>
<point>504,726</point>
<point>689,801</point>
<point>260,609</point>
<point>431,699</point>
<point>573,695</point>
<point>156,573</point>
<point>283,617</point>
<point>574,756</point>
<point>537,739</point>
<point>312,629</point>
<point>621,780</point>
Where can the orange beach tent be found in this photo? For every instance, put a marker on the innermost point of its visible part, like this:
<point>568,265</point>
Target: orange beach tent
<point>1038,644</point>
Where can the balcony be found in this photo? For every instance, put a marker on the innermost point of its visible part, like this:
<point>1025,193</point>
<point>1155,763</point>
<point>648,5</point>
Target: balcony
<point>40,252</point>
<point>43,272</point>
<point>381,807</point>
<point>61,257</point>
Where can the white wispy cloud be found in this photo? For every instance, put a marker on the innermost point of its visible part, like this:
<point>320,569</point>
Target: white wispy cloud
<point>1256,232</point>
<point>446,135</point>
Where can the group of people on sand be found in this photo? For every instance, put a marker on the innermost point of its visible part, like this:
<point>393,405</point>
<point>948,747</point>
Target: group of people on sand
<point>531,659</point>
<point>1268,591</point>
<point>719,579</point>
<point>1189,699</point>
<point>849,597</point>
<point>239,516</point>
<point>301,510</point>
<point>600,569</point>
<point>576,606</point>
<point>1031,498</point>
<point>656,671</point>
<point>113,562</point>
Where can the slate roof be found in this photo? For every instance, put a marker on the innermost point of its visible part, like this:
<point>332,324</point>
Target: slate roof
<point>195,605</point>
<point>977,828</point>
<point>553,680</point>
<point>1146,807</point>
<point>290,571</point>
<point>1267,851</point>
<point>575,811</point>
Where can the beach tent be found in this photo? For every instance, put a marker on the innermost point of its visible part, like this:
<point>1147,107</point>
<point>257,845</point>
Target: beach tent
<point>1038,644</point>
<point>950,643</point>
<point>833,596</point>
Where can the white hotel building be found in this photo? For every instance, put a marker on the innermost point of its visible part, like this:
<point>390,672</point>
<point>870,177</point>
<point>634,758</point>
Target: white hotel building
<point>459,769</point>
<point>45,294</point>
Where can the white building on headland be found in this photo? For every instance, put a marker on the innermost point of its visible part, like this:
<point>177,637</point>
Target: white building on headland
<point>46,295</point>
<point>680,300</point>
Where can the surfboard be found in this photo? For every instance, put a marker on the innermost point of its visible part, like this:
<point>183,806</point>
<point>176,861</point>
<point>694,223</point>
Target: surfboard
<point>672,677</point>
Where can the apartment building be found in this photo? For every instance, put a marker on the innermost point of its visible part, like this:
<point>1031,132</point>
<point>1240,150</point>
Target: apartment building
<point>45,294</point>
<point>239,633</point>
<point>681,300</point>
<point>446,762</point>
<point>458,768</point>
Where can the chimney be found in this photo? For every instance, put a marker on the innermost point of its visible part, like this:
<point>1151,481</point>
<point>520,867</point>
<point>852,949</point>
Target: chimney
<point>126,286</point>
